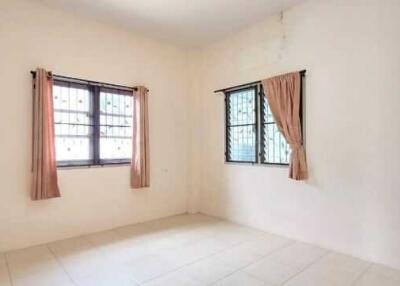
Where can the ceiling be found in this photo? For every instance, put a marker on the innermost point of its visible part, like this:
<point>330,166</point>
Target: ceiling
<point>185,22</point>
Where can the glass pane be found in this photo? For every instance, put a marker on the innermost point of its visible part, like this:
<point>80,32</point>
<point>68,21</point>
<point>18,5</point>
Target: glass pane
<point>115,125</point>
<point>72,130</point>
<point>242,143</point>
<point>242,107</point>
<point>115,120</point>
<point>114,103</point>
<point>267,112</point>
<point>57,97</point>
<point>72,123</point>
<point>71,118</point>
<point>69,98</point>
<point>115,148</point>
<point>116,131</point>
<point>276,150</point>
<point>72,148</point>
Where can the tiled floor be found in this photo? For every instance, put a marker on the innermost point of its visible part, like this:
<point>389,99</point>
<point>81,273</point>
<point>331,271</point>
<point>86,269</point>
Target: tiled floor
<point>187,250</point>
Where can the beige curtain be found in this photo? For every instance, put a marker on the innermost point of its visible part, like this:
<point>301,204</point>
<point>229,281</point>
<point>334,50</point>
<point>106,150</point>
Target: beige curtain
<point>140,164</point>
<point>44,170</point>
<point>283,94</point>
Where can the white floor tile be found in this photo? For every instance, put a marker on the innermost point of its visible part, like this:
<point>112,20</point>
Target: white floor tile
<point>313,278</point>
<point>251,250</point>
<point>385,271</point>
<point>190,250</point>
<point>112,278</point>
<point>298,254</point>
<point>375,279</point>
<point>379,275</point>
<point>177,278</point>
<point>202,248</point>
<point>333,269</point>
<point>150,267</point>
<point>241,279</point>
<point>45,278</point>
<point>268,243</point>
<point>208,270</point>
<point>122,250</point>
<point>36,266</point>
<point>80,258</point>
<point>239,256</point>
<point>271,271</point>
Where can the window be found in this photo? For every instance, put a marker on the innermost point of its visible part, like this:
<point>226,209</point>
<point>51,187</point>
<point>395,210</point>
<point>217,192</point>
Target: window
<point>116,115</point>
<point>274,149</point>
<point>241,125</point>
<point>248,118</point>
<point>93,124</point>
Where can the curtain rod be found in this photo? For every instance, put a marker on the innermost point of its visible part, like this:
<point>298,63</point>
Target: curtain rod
<point>92,82</point>
<point>302,73</point>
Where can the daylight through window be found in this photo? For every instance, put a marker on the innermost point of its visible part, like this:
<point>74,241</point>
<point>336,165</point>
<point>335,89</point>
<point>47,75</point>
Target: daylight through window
<point>93,125</point>
<point>252,135</point>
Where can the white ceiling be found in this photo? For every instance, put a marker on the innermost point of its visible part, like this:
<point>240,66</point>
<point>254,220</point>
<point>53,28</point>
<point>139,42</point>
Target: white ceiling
<point>185,22</point>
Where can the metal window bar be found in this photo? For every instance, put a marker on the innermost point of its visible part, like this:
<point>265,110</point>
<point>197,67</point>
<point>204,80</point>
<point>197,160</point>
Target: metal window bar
<point>241,138</point>
<point>115,121</point>
<point>73,122</point>
<point>273,152</point>
<point>78,119</point>
<point>273,145</point>
<point>280,155</point>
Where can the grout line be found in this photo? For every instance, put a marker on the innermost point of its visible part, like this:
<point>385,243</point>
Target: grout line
<point>362,273</point>
<point>257,260</point>
<point>306,267</point>
<point>61,264</point>
<point>290,242</point>
<point>194,261</point>
<point>8,269</point>
<point>180,267</point>
<point>297,239</point>
<point>45,243</point>
<point>192,243</point>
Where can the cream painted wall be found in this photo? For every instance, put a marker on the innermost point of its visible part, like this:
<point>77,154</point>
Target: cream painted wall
<point>33,35</point>
<point>352,201</point>
<point>350,50</point>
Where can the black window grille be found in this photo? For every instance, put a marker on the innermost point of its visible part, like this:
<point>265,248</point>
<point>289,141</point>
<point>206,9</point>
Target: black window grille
<point>116,117</point>
<point>93,125</point>
<point>248,117</point>
<point>241,125</point>
<point>274,148</point>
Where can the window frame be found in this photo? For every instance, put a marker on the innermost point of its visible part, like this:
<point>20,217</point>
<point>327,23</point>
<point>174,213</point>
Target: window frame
<point>260,141</point>
<point>262,133</point>
<point>227,94</point>
<point>94,136</point>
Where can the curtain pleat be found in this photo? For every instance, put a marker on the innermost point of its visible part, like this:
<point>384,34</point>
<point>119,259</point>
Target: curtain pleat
<point>44,169</point>
<point>140,164</point>
<point>283,95</point>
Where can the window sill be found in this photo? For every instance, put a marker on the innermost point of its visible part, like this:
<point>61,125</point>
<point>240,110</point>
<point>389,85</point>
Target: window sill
<point>86,166</point>
<point>257,164</point>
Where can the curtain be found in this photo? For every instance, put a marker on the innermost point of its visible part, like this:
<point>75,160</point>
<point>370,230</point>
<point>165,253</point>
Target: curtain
<point>283,95</point>
<point>140,164</point>
<point>44,170</point>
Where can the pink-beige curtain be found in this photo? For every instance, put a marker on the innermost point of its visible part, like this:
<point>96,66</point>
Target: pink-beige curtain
<point>44,170</point>
<point>140,164</point>
<point>283,95</point>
